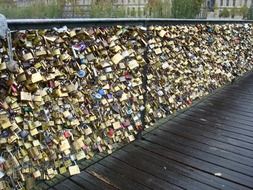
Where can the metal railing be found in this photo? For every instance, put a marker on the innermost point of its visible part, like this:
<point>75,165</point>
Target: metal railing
<point>22,24</point>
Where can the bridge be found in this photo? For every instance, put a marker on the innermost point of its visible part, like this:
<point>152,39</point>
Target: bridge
<point>127,104</point>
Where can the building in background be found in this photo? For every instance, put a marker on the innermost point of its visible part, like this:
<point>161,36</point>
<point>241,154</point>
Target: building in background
<point>132,8</point>
<point>23,3</point>
<point>77,8</point>
<point>81,8</point>
<point>210,9</point>
<point>220,9</point>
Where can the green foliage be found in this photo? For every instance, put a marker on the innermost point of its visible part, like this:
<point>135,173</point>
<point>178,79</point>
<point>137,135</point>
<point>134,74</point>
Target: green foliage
<point>106,9</point>
<point>234,11</point>
<point>225,13</point>
<point>133,12</point>
<point>244,11</point>
<point>119,12</point>
<point>216,9</point>
<point>159,8</point>
<point>186,8</point>
<point>35,10</point>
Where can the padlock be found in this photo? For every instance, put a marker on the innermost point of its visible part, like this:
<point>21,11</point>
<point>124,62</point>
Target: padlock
<point>4,185</point>
<point>73,170</point>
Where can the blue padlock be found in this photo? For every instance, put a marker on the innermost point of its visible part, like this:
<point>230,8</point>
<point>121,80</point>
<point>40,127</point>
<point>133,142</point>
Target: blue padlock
<point>5,134</point>
<point>101,92</point>
<point>81,73</point>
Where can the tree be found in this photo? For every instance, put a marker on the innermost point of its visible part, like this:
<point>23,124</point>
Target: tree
<point>186,8</point>
<point>216,9</point>
<point>225,13</point>
<point>244,11</point>
<point>159,8</point>
<point>36,9</point>
<point>233,12</point>
<point>133,12</point>
<point>105,8</point>
<point>5,6</point>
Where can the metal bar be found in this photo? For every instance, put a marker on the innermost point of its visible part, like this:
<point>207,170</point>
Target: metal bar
<point>144,83</point>
<point>9,41</point>
<point>22,24</point>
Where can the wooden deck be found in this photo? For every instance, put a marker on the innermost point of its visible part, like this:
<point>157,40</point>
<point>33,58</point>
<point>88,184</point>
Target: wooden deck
<point>209,146</point>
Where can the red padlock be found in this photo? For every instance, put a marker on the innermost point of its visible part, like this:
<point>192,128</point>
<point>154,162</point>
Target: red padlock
<point>110,133</point>
<point>51,84</point>
<point>66,134</point>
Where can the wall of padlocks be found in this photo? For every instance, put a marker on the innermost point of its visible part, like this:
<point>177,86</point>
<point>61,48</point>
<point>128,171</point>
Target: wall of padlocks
<point>77,92</point>
<point>188,62</point>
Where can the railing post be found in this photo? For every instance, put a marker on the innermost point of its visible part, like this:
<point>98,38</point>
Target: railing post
<point>144,81</point>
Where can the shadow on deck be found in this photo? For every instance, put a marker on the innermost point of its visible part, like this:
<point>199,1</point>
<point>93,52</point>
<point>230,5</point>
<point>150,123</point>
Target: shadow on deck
<point>209,146</point>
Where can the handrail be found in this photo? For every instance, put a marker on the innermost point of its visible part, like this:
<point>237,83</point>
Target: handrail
<point>22,24</point>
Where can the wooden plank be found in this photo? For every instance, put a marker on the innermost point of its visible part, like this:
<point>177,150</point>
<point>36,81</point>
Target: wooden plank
<point>85,163</point>
<point>225,90</point>
<point>59,178</point>
<point>196,163</point>
<point>114,178</point>
<point>137,175</point>
<point>219,107</point>
<point>165,141</point>
<point>208,130</point>
<point>208,141</point>
<point>219,124</point>
<point>233,91</point>
<point>223,102</point>
<point>219,119</point>
<point>217,129</point>
<point>206,148</point>
<point>207,136</point>
<point>242,90</point>
<point>221,127</point>
<point>62,186</point>
<point>95,181</point>
<point>83,183</point>
<point>230,113</point>
<point>68,185</point>
<point>42,186</point>
<point>52,182</point>
<point>158,168</point>
<point>194,173</point>
<point>228,98</point>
